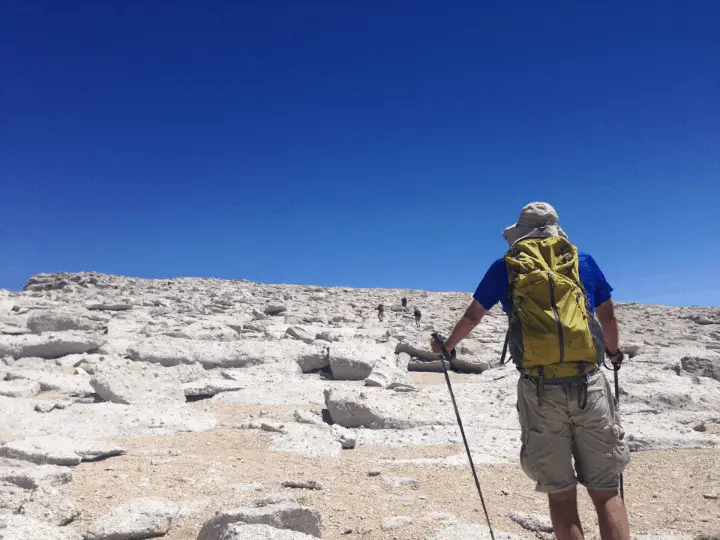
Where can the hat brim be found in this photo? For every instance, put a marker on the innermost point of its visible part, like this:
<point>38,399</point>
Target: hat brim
<point>515,233</point>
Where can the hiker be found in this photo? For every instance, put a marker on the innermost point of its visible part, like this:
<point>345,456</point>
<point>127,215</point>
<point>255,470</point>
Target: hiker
<point>403,301</point>
<point>418,316</point>
<point>381,312</point>
<point>565,405</point>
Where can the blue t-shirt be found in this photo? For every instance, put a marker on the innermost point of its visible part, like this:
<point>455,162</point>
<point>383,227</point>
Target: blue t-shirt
<point>494,286</point>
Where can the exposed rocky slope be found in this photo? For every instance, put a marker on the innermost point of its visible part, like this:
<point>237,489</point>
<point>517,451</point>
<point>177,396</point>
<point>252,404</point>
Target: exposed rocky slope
<point>94,364</point>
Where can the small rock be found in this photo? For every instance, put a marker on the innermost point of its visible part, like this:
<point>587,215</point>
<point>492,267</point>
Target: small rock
<point>295,332</point>
<point>243,488</point>
<point>275,310</point>
<point>303,484</point>
<point>135,520</point>
<point>282,497</point>
<point>346,437</point>
<point>713,495</point>
<point>444,517</point>
<point>400,481</point>
<point>374,472</point>
<point>109,307</point>
<point>273,427</point>
<point>303,416</point>
<point>281,516</point>
<point>531,522</point>
<point>397,522</point>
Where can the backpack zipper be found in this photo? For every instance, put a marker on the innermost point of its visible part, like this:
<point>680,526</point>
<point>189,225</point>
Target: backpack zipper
<point>561,338</point>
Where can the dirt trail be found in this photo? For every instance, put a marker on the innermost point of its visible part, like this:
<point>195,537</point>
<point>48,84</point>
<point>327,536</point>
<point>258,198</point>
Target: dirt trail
<point>664,488</point>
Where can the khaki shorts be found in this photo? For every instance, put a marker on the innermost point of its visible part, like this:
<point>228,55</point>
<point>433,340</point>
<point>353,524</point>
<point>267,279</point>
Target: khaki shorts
<point>556,431</point>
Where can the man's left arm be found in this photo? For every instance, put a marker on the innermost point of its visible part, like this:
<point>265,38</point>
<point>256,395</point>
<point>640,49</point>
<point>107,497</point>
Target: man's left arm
<point>472,317</point>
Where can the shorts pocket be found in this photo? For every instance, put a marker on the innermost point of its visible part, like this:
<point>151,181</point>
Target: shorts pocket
<point>620,451</point>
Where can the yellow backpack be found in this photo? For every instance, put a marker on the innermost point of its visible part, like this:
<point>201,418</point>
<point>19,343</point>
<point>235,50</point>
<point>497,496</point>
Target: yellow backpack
<point>551,331</point>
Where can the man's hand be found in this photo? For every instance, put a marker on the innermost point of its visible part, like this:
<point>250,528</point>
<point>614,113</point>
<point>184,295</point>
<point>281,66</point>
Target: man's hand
<point>617,357</point>
<point>472,317</point>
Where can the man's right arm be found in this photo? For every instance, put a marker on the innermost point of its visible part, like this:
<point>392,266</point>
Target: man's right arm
<point>608,322</point>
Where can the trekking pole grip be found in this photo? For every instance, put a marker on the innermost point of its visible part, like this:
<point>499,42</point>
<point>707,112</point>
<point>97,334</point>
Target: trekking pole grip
<point>441,341</point>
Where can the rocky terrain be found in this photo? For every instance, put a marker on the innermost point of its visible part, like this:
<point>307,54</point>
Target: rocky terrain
<point>228,410</point>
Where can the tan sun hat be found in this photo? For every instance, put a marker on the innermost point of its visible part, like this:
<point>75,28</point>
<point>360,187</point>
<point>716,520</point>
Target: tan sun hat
<point>537,220</point>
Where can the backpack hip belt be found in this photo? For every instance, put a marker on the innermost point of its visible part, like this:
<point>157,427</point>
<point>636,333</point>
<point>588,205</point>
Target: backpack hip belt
<point>579,381</point>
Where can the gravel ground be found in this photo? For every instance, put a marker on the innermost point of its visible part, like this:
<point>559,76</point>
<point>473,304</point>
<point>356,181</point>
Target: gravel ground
<point>664,489</point>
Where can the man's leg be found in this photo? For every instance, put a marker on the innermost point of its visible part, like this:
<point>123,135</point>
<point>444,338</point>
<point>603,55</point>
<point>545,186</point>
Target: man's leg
<point>564,515</point>
<point>612,515</point>
<point>546,453</point>
<point>601,453</point>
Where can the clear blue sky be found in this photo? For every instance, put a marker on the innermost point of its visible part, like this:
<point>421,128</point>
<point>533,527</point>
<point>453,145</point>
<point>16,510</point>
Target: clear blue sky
<point>368,144</point>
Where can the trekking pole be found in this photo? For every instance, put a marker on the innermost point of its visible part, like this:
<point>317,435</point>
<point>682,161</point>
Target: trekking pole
<point>616,367</point>
<point>446,356</point>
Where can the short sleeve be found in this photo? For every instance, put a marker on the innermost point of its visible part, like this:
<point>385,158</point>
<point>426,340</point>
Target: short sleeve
<point>603,289</point>
<point>493,286</point>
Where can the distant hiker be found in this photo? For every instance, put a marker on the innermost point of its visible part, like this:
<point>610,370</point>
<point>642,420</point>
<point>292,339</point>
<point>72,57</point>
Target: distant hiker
<point>418,316</point>
<point>565,404</point>
<point>403,301</point>
<point>381,312</point>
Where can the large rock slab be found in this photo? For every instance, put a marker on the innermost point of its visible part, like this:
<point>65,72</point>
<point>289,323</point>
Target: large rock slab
<point>50,505</point>
<point>128,383</point>
<point>60,320</point>
<point>55,380</point>
<point>100,420</point>
<point>34,477</point>
<point>135,520</point>
<point>19,388</point>
<point>354,361</point>
<point>48,346</point>
<point>210,331</point>
<point>173,351</point>
<point>20,527</point>
<point>375,409</point>
<point>239,531</point>
<point>281,516</point>
<point>705,367</point>
<point>58,450</point>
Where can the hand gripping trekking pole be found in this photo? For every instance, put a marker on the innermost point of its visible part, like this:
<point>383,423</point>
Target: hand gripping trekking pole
<point>446,356</point>
<point>616,367</point>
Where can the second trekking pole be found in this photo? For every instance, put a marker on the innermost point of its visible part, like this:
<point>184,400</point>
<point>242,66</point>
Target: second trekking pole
<point>616,367</point>
<point>447,357</point>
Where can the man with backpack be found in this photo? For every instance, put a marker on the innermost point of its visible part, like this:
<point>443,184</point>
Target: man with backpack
<point>551,292</point>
